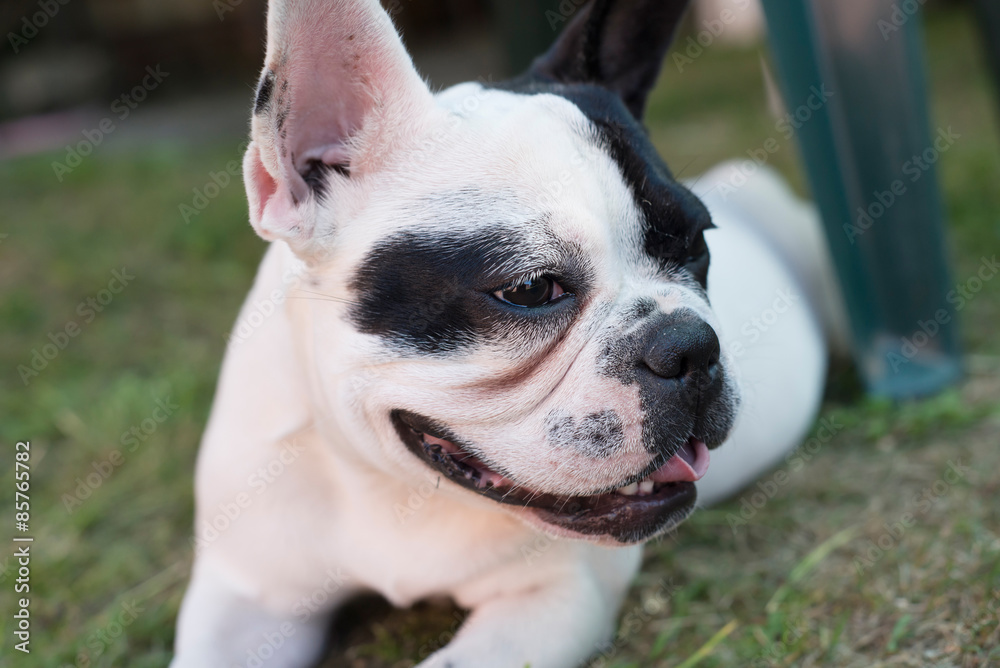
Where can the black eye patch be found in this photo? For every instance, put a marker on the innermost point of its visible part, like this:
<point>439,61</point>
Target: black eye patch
<point>431,292</point>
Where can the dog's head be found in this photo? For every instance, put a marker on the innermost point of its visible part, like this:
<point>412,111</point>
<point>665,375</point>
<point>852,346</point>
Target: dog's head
<point>506,288</point>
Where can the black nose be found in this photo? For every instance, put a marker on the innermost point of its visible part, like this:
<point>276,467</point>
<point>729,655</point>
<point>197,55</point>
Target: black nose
<point>684,347</point>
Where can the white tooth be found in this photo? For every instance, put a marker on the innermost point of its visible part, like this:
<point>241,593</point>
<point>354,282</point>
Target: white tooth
<point>629,490</point>
<point>646,487</point>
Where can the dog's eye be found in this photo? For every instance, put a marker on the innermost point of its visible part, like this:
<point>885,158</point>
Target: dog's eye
<point>533,292</point>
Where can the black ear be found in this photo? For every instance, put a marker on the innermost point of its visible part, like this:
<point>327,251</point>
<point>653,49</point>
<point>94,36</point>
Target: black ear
<point>618,44</point>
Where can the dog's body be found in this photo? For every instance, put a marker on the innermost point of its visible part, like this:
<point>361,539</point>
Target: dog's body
<point>490,336</point>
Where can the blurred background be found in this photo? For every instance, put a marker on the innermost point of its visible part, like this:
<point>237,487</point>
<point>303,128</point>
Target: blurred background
<point>125,253</point>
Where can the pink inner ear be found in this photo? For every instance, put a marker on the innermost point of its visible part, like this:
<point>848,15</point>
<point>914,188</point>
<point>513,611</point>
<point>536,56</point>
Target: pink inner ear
<point>328,106</point>
<point>342,90</point>
<point>260,185</point>
<point>338,65</point>
<point>272,209</point>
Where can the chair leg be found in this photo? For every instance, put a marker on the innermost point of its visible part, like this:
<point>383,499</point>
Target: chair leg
<point>854,84</point>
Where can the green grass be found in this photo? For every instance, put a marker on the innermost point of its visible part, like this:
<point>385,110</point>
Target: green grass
<point>792,586</point>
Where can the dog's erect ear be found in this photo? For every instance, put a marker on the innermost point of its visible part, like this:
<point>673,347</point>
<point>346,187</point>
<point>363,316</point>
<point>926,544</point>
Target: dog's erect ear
<point>618,44</point>
<point>337,87</point>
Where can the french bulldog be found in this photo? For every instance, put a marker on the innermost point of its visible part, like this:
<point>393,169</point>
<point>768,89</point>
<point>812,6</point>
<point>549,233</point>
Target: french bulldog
<point>485,356</point>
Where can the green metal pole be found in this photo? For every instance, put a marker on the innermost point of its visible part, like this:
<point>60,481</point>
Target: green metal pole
<point>871,162</point>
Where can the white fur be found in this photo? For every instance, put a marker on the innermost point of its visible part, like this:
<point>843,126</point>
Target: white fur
<point>318,496</point>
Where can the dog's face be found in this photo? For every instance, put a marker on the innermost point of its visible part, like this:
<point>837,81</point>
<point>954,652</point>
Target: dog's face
<point>508,285</point>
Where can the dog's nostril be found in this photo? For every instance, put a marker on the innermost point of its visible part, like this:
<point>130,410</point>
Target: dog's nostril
<point>683,347</point>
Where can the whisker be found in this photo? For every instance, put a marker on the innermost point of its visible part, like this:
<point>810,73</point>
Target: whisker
<point>324,297</point>
<point>685,168</point>
<point>320,299</point>
<point>530,499</point>
<point>510,491</point>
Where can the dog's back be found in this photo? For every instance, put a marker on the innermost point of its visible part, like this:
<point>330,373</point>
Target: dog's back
<point>773,286</point>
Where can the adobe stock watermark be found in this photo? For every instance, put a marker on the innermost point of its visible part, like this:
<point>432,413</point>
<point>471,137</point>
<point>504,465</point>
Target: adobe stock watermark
<point>32,25</point>
<point>216,182</point>
<point>786,126</point>
<point>565,12</point>
<point>442,136</point>
<point>60,339</point>
<point>776,650</point>
<point>785,300</point>
<point>751,503</point>
<point>540,544</point>
<point>319,599</point>
<point>98,642</point>
<point>262,308</point>
<point>553,189</point>
<point>914,169</point>
<point>227,513</point>
<point>901,13</point>
<point>122,106</point>
<point>269,642</point>
<point>417,497</point>
<point>223,7</point>
<point>711,30</point>
<point>130,440</point>
<point>927,330</point>
<point>873,550</point>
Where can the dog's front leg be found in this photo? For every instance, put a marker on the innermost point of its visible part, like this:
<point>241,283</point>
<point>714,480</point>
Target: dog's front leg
<point>552,627</point>
<point>558,620</point>
<point>221,627</point>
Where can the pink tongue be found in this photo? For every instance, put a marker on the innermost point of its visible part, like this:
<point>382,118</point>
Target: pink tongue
<point>688,465</point>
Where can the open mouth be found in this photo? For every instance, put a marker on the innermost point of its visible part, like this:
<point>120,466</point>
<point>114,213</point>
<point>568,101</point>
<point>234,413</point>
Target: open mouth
<point>652,501</point>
